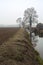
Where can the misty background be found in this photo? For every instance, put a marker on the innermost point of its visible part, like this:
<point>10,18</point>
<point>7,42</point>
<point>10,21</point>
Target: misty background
<point>10,10</point>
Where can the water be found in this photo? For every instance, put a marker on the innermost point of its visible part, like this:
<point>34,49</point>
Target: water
<point>39,47</point>
<point>38,44</point>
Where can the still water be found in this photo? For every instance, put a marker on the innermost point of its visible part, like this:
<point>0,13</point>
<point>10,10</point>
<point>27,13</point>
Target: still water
<point>39,43</point>
<point>39,46</point>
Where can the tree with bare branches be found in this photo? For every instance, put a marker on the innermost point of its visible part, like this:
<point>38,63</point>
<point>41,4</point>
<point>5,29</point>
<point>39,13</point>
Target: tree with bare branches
<point>19,20</point>
<point>30,16</point>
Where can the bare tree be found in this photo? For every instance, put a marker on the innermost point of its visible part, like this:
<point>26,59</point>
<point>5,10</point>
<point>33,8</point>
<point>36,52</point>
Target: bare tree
<point>19,20</point>
<point>30,16</point>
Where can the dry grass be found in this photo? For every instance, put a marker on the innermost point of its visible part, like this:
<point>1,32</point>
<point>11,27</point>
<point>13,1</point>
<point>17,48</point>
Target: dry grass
<point>17,50</point>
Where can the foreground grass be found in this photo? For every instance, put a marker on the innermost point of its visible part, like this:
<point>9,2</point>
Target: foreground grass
<point>18,50</point>
<point>38,58</point>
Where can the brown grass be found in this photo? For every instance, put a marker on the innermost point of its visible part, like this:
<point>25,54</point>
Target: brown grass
<point>18,50</point>
<point>6,33</point>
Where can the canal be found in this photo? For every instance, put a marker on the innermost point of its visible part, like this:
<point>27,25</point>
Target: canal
<point>39,46</point>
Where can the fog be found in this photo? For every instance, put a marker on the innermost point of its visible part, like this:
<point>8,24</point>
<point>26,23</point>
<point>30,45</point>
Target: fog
<point>10,10</point>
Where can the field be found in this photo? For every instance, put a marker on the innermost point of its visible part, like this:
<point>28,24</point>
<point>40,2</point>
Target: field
<point>17,50</point>
<point>6,33</point>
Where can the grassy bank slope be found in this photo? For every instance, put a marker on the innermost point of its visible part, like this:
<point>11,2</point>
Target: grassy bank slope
<point>18,50</point>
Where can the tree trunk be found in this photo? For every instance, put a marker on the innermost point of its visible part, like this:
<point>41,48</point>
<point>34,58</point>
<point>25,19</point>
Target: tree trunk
<point>30,28</point>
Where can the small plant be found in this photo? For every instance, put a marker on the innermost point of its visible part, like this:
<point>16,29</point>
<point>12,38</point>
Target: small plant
<point>36,52</point>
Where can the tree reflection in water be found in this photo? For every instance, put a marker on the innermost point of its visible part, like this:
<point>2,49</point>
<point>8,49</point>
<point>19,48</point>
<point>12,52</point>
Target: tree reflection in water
<point>34,39</point>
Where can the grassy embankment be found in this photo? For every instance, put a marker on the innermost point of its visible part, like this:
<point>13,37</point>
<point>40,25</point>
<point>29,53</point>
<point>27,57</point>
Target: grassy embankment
<point>18,50</point>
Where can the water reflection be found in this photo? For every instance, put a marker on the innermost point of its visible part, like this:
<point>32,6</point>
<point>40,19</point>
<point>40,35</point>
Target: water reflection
<point>37,43</point>
<point>34,40</point>
<point>39,47</point>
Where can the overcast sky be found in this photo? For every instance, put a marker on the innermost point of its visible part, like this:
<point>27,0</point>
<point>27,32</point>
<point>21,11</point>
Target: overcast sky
<point>10,10</point>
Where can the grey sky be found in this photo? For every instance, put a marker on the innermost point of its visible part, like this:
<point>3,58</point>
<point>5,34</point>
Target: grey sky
<point>10,10</point>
